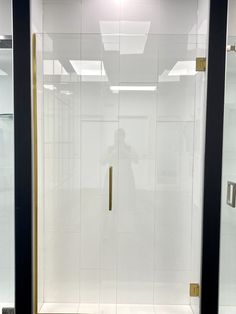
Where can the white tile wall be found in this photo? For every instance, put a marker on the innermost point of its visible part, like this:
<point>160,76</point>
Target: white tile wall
<point>142,250</point>
<point>166,17</point>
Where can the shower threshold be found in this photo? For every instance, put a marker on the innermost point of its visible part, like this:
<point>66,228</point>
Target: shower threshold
<point>71,308</point>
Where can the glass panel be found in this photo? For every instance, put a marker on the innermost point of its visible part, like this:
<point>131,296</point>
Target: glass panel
<point>228,218</point>
<point>120,90</point>
<point>6,160</point>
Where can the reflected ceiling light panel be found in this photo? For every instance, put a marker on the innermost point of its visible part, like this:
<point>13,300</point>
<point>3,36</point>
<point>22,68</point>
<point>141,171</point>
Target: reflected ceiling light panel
<point>2,73</point>
<point>116,89</point>
<point>53,67</point>
<point>164,77</point>
<point>128,37</point>
<point>49,87</point>
<point>66,92</point>
<point>183,68</point>
<point>88,67</point>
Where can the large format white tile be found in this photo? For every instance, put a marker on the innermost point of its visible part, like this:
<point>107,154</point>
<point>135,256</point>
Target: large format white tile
<point>178,17</point>
<point>59,308</point>
<point>172,287</point>
<point>176,98</point>
<point>95,11</point>
<point>141,68</point>
<point>140,11</point>
<point>89,292</point>
<point>62,16</point>
<point>61,267</point>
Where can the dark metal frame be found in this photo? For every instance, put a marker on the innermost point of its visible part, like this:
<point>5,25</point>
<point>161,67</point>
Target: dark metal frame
<point>23,156</point>
<point>213,157</point>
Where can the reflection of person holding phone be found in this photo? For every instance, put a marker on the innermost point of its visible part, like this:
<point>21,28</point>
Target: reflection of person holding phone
<point>121,156</point>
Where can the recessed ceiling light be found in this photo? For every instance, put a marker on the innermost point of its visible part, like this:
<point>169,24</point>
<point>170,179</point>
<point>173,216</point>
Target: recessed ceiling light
<point>53,67</point>
<point>133,88</point>
<point>66,92</point>
<point>49,87</point>
<point>2,73</point>
<point>128,37</point>
<point>164,77</point>
<point>88,67</point>
<point>183,68</point>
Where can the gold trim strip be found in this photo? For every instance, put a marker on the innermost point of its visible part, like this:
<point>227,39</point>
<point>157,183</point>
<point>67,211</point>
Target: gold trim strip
<point>35,173</point>
<point>110,187</point>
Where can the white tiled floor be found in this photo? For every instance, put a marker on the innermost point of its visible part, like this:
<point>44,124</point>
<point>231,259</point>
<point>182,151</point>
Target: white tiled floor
<point>113,309</point>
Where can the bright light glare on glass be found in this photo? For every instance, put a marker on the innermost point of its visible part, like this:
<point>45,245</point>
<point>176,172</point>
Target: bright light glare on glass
<point>183,68</point>
<point>133,88</point>
<point>2,73</point>
<point>49,87</point>
<point>88,67</point>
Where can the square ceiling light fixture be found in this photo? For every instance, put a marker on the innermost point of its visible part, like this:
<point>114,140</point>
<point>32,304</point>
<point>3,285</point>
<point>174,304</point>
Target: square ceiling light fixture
<point>49,87</point>
<point>90,70</point>
<point>145,88</point>
<point>164,77</point>
<point>183,68</point>
<point>66,92</point>
<point>53,67</point>
<point>2,73</point>
<point>128,37</point>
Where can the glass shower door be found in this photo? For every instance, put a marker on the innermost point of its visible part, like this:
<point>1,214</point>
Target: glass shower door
<point>121,115</point>
<point>228,213</point>
<point>6,175</point>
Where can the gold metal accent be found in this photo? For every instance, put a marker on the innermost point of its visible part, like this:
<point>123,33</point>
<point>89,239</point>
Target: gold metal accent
<point>110,187</point>
<point>231,48</point>
<point>35,176</point>
<point>194,290</point>
<point>200,64</point>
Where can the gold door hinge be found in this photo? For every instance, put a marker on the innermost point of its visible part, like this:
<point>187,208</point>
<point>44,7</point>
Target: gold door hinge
<point>200,64</point>
<point>194,290</point>
<point>231,48</point>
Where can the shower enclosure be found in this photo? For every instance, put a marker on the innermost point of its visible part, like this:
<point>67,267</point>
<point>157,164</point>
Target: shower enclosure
<point>120,112</point>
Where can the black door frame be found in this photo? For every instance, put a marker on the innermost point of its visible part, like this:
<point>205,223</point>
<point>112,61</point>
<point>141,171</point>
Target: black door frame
<point>213,157</point>
<point>23,157</point>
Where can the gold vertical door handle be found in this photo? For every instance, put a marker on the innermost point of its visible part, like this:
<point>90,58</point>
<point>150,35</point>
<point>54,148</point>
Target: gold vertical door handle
<point>110,187</point>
